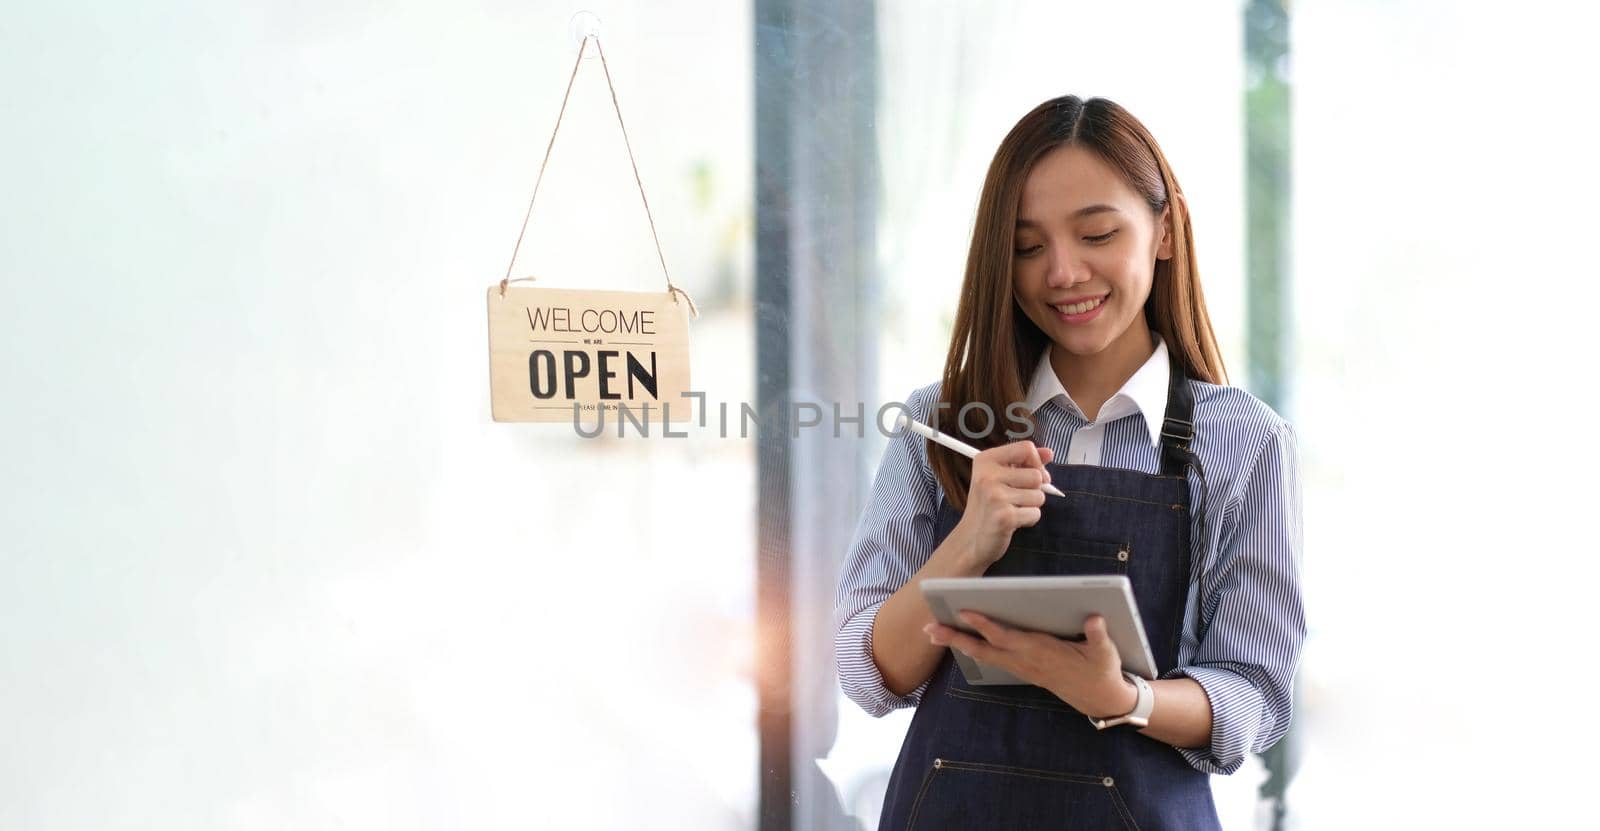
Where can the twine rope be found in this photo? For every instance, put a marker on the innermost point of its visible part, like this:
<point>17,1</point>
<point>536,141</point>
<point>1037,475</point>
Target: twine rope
<point>671,287</point>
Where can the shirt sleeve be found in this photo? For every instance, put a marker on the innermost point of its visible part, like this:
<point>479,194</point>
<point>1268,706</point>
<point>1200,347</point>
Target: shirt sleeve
<point>1250,648</point>
<point>893,539</point>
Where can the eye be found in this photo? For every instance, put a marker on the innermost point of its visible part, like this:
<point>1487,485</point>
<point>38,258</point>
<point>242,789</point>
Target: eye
<point>1028,251</point>
<point>1102,238</point>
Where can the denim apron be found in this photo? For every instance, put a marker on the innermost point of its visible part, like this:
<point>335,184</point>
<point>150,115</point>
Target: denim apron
<point>1017,757</point>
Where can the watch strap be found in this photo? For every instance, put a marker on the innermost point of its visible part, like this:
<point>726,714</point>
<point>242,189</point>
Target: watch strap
<point>1143,706</point>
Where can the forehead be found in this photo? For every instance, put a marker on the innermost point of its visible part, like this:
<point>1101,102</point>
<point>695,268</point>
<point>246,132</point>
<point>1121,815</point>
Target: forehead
<point>1069,178</point>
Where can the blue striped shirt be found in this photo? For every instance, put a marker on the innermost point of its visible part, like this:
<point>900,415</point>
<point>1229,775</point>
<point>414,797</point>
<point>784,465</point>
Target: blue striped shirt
<point>1241,642</point>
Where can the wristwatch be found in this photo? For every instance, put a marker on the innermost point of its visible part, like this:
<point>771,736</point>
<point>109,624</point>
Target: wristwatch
<point>1140,717</point>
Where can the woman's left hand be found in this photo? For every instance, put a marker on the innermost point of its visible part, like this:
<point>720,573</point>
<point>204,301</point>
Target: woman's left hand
<point>1086,675</point>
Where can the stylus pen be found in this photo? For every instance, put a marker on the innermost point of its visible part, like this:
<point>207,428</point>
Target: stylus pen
<point>957,445</point>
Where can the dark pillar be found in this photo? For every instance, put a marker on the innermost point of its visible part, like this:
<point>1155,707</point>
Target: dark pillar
<point>1268,311</point>
<point>816,205</point>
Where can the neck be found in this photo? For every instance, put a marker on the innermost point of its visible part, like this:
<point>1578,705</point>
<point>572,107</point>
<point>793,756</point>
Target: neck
<point>1091,380</point>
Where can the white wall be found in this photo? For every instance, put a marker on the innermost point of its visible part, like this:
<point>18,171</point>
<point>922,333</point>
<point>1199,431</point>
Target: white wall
<point>1444,292</point>
<point>267,562</point>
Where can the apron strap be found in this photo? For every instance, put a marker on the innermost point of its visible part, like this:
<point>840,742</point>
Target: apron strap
<point>1177,430</point>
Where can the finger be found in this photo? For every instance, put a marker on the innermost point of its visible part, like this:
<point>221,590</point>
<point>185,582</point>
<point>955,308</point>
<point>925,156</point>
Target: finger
<point>976,647</point>
<point>1034,461</point>
<point>1026,516</point>
<point>1046,454</point>
<point>992,631</point>
<point>1023,497</point>
<point>1020,452</point>
<point>1095,635</point>
<point>1017,477</point>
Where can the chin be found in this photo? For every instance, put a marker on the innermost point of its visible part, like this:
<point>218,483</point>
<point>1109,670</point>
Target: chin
<point>1080,344</point>
<point>1079,348</point>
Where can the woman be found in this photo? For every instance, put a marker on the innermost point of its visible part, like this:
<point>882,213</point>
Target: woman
<point>1082,319</point>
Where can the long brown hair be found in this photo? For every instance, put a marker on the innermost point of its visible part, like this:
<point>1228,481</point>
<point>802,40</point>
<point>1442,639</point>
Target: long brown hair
<point>994,345</point>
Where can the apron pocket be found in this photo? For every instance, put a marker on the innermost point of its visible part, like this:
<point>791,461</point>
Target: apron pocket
<point>962,795</point>
<point>1026,696</point>
<point>1051,555</point>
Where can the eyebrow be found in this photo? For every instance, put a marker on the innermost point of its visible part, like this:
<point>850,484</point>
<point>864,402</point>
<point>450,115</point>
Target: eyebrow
<point>1077,214</point>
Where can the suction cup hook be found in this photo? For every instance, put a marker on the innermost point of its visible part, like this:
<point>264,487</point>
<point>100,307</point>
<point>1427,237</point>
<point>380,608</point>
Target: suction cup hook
<point>582,26</point>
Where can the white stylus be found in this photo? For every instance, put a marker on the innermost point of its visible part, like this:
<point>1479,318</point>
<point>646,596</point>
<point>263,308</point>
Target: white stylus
<point>955,444</point>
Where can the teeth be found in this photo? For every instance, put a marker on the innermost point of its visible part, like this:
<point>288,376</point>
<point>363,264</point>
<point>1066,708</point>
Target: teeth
<point>1078,308</point>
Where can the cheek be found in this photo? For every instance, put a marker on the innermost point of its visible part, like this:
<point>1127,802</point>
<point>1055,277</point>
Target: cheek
<point>1135,290</point>
<point>1026,279</point>
<point>1131,270</point>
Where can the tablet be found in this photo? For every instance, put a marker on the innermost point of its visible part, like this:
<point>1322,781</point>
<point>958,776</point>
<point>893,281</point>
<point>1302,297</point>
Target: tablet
<point>1057,605</point>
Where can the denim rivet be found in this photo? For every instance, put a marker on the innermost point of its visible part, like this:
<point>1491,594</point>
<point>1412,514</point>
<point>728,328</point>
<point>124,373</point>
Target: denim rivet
<point>1108,781</point>
<point>1123,555</point>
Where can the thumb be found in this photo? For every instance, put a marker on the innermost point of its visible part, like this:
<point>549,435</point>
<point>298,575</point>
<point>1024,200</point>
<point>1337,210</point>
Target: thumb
<point>1019,452</point>
<point>1094,632</point>
<point>1046,454</point>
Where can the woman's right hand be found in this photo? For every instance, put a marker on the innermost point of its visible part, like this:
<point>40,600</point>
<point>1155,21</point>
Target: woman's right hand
<point>1004,495</point>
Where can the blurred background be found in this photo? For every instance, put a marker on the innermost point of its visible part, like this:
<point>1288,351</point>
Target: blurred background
<point>266,562</point>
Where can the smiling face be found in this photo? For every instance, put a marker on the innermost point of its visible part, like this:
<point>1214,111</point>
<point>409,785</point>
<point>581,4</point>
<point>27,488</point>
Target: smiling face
<point>1086,245</point>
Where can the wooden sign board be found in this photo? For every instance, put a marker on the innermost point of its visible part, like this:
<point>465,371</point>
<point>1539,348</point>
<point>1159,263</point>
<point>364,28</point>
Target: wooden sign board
<point>552,348</point>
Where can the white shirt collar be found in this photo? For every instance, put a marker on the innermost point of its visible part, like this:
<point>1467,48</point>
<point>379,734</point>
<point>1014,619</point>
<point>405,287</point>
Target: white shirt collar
<point>1144,393</point>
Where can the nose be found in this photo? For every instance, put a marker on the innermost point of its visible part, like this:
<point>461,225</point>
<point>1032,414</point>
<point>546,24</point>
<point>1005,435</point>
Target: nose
<point>1066,270</point>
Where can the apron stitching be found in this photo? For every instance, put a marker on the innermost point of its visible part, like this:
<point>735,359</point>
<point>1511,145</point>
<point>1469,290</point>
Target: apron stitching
<point>1120,498</point>
<point>1032,705</point>
<point>1032,773</point>
<point>927,779</point>
<point>1122,808</point>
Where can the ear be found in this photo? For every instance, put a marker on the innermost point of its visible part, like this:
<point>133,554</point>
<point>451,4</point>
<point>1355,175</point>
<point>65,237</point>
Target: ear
<point>1164,250</point>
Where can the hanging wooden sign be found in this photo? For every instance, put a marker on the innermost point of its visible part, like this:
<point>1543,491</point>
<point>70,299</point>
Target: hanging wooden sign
<point>567,354</point>
<point>584,356</point>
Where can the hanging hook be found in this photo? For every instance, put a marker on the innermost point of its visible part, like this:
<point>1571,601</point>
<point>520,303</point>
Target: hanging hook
<point>582,26</point>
